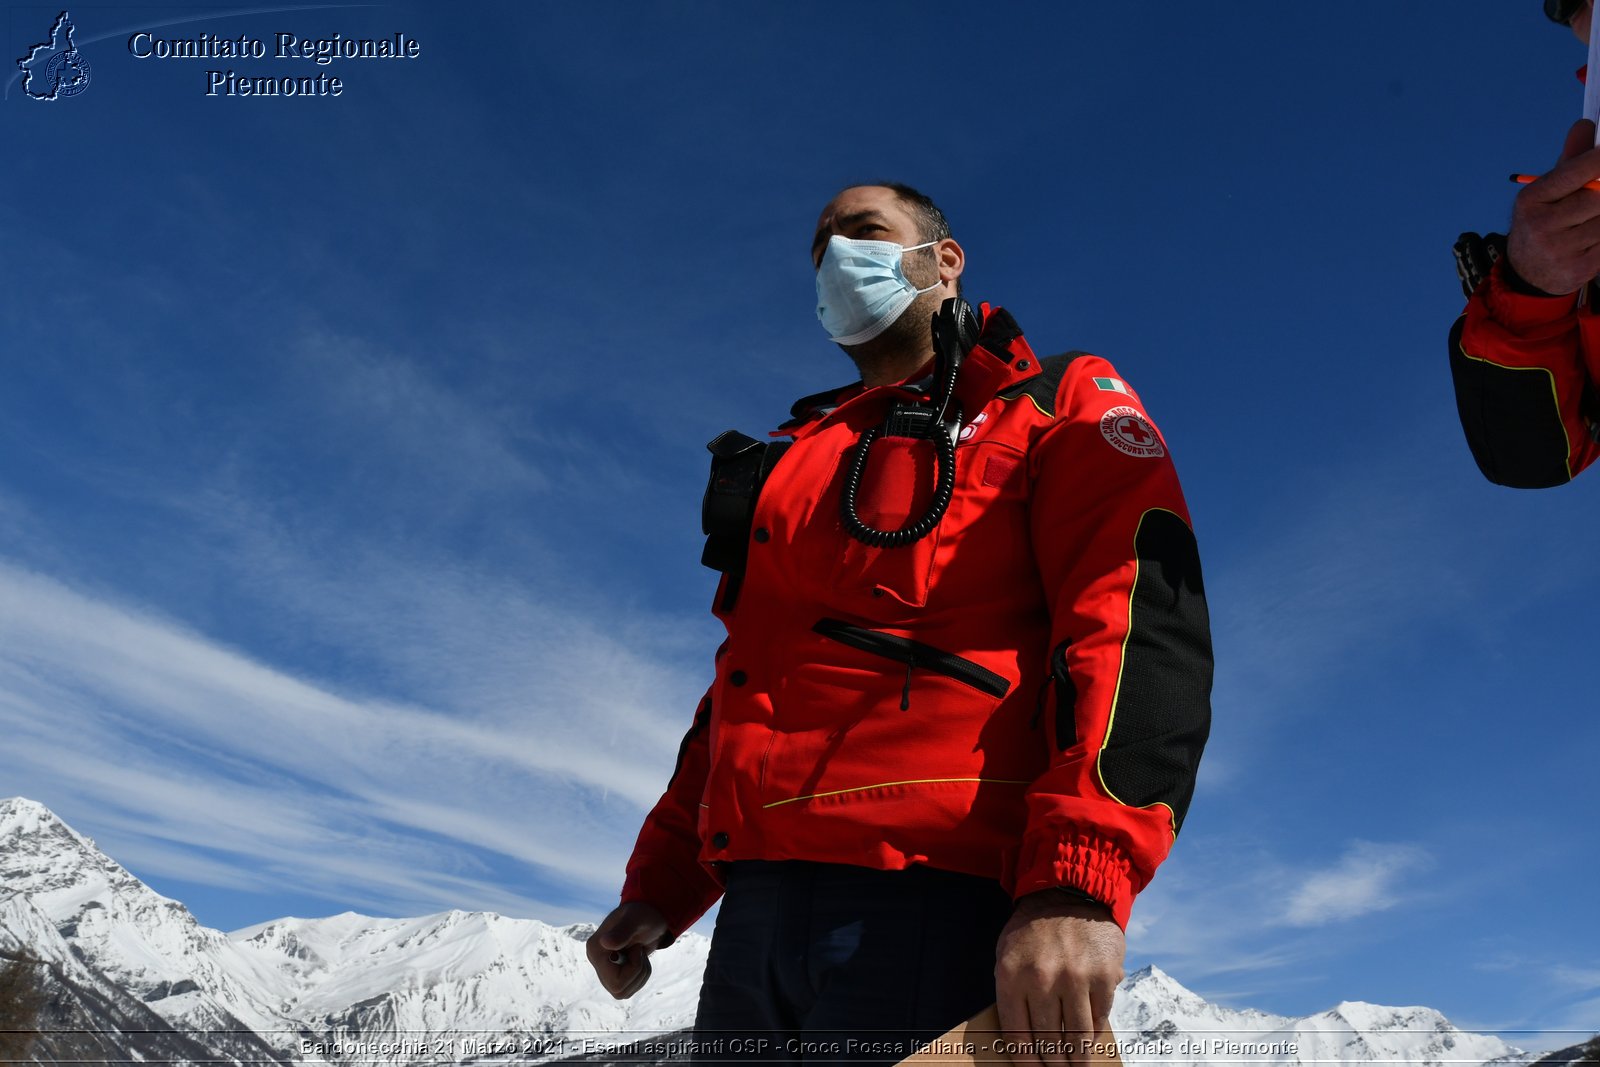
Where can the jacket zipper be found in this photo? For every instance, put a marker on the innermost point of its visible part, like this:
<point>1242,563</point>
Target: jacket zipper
<point>1060,678</point>
<point>914,654</point>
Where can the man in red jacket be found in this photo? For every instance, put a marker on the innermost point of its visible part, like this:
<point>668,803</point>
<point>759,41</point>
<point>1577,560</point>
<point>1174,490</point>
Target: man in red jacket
<point>957,719</point>
<point>1525,355</point>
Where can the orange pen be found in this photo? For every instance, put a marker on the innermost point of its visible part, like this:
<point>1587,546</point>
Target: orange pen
<point>1524,179</point>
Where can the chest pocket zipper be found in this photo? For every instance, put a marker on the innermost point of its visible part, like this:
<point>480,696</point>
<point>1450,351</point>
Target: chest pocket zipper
<point>914,654</point>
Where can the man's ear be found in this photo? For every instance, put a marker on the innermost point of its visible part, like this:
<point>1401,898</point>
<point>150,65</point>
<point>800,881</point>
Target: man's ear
<point>952,260</point>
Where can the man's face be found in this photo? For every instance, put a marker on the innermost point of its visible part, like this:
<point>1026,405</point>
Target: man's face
<point>874,213</point>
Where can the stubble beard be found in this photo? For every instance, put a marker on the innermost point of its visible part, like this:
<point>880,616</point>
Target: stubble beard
<point>907,342</point>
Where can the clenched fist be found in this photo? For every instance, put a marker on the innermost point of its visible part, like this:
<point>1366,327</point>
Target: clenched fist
<point>619,950</point>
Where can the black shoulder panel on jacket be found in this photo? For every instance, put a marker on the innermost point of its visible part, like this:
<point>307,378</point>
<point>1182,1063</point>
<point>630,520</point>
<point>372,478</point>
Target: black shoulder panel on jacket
<point>1162,713</point>
<point>1511,420</point>
<point>1042,387</point>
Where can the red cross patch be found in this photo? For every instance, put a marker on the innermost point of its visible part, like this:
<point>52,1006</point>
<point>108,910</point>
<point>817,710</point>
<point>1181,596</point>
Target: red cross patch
<point>1129,431</point>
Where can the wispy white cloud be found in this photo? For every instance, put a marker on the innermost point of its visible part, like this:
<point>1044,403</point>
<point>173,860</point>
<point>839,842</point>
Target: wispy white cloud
<point>1551,1005</point>
<point>175,740</point>
<point>1581,1020</point>
<point>1202,919</point>
<point>393,412</point>
<point>1365,563</point>
<point>1366,879</point>
<point>356,704</point>
<point>452,449</point>
<point>1578,979</point>
<point>1226,910</point>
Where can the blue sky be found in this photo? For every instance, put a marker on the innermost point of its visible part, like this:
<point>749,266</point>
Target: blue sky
<point>351,448</point>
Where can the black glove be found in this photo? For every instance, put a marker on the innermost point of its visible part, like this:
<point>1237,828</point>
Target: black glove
<point>1476,256</point>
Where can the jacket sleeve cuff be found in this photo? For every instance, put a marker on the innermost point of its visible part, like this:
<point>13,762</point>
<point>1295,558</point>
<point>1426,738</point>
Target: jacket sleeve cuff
<point>1089,864</point>
<point>1519,307</point>
<point>681,895</point>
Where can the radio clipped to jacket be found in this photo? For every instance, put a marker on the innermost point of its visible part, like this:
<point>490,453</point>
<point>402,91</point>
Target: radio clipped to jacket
<point>936,420</point>
<point>740,464</point>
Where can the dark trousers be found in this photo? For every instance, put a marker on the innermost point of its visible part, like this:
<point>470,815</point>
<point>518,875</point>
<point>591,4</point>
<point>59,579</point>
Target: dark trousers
<point>819,962</point>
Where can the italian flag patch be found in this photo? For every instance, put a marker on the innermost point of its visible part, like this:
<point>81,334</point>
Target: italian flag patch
<point>1113,385</point>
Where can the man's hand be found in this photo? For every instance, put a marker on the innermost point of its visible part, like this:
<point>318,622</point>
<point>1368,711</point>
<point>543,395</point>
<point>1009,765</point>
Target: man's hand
<point>1554,242</point>
<point>1057,966</point>
<point>629,934</point>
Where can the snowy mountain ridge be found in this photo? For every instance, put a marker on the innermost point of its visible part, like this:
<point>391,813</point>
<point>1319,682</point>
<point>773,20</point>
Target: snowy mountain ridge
<point>294,983</point>
<point>311,990</point>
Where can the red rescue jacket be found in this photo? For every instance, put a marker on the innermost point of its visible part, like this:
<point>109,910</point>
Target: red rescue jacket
<point>1023,694</point>
<point>1524,367</point>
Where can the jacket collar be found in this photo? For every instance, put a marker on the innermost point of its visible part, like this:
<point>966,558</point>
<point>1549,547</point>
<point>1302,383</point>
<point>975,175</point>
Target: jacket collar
<point>1000,359</point>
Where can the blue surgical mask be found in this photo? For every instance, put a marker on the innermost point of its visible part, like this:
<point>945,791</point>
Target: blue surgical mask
<point>861,288</point>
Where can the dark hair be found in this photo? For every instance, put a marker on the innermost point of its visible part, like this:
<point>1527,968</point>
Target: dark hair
<point>1562,11</point>
<point>931,223</point>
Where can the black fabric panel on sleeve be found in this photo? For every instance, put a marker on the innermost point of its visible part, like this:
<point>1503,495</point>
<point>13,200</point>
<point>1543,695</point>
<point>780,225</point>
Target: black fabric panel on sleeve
<point>1163,710</point>
<point>1066,699</point>
<point>1510,418</point>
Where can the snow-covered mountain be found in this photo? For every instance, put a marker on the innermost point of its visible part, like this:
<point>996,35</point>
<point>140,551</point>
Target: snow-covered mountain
<point>302,990</point>
<point>466,975</point>
<point>474,986</point>
<point>84,1016</point>
<point>131,938</point>
<point>1158,1021</point>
